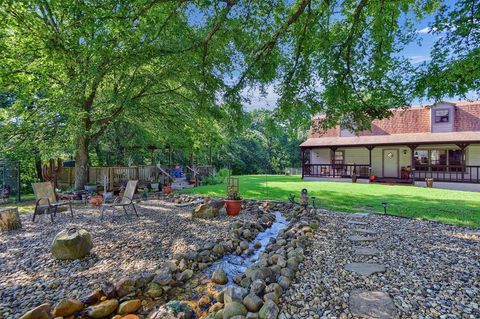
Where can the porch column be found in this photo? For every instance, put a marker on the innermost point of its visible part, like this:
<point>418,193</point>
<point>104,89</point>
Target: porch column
<point>462,147</point>
<point>370,148</point>
<point>412,148</point>
<point>332,159</point>
<point>302,154</point>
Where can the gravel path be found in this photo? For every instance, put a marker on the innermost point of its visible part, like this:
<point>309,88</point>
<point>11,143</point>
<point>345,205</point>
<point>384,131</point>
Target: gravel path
<point>432,270</point>
<point>30,276</point>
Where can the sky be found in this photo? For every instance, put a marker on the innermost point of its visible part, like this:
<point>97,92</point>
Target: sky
<point>416,51</point>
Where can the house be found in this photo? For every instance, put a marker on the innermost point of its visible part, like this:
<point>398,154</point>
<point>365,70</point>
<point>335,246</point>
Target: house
<point>440,141</point>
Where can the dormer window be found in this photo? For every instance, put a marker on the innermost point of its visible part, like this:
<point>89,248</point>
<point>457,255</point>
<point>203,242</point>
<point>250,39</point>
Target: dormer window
<point>442,116</point>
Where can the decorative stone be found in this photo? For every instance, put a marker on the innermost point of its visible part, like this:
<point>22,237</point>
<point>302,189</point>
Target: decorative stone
<point>103,309</point>
<point>219,276</point>
<point>372,304</point>
<point>244,245</point>
<point>366,231</point>
<point>361,238</point>
<point>154,290</point>
<point>218,249</point>
<point>185,275</point>
<point>9,219</point>
<point>257,245</point>
<point>252,302</point>
<point>41,312</point>
<point>284,282</point>
<point>129,306</point>
<point>208,210</point>
<point>364,251</point>
<point>164,278</point>
<point>258,287</point>
<point>233,309</point>
<point>71,243</point>
<point>67,307</point>
<point>269,310</point>
<point>365,269</point>
<point>356,222</point>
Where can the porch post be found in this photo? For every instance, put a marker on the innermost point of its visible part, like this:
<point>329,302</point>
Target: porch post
<point>412,148</point>
<point>332,159</point>
<point>462,147</point>
<point>303,161</point>
<point>370,148</point>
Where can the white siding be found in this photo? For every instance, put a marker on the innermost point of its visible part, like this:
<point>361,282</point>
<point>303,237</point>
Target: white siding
<point>320,156</point>
<point>356,155</point>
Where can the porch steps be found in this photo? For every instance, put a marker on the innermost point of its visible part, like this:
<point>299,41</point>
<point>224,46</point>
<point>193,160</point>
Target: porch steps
<point>181,183</point>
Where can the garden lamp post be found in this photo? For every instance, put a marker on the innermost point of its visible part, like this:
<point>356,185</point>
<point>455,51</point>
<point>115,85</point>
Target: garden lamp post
<point>385,204</point>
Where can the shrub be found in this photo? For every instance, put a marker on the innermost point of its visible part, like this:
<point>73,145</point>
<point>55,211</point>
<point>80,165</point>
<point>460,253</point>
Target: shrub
<point>219,178</point>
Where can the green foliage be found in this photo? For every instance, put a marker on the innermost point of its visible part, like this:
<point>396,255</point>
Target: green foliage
<point>219,178</point>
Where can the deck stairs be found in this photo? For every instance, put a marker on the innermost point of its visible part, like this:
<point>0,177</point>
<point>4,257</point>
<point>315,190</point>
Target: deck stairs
<point>181,183</point>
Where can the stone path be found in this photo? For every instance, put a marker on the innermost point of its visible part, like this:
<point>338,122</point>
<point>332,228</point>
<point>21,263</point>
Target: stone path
<point>368,304</point>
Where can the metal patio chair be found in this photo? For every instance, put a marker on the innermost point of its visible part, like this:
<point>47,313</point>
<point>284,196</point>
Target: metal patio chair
<point>46,200</point>
<point>122,201</point>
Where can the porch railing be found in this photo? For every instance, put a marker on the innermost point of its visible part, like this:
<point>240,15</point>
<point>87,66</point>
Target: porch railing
<point>336,170</point>
<point>448,173</point>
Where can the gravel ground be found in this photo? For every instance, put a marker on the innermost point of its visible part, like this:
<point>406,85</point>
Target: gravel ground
<point>432,270</point>
<point>124,246</point>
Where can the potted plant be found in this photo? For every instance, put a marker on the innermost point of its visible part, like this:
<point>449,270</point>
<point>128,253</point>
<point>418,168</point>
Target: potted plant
<point>429,182</point>
<point>155,186</point>
<point>233,204</point>
<point>167,189</point>
<point>373,178</point>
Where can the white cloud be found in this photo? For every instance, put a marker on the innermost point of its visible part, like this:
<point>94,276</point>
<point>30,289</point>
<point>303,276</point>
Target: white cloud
<point>425,30</point>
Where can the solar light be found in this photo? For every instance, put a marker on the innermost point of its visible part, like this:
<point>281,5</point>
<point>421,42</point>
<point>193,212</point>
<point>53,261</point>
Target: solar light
<point>313,201</point>
<point>304,197</point>
<point>385,204</point>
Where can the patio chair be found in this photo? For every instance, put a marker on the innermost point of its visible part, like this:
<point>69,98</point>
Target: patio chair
<point>46,200</point>
<point>123,201</point>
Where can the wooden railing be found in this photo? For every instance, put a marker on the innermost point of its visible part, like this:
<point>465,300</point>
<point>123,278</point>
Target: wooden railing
<point>448,173</point>
<point>336,170</point>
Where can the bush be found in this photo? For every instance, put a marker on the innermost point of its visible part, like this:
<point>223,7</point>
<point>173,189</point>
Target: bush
<point>217,179</point>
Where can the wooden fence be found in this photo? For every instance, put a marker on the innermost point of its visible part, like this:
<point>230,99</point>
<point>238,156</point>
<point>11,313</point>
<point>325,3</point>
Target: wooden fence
<point>116,175</point>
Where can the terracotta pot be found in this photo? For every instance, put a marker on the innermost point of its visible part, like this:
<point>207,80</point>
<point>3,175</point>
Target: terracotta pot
<point>372,178</point>
<point>95,200</point>
<point>354,178</point>
<point>167,189</point>
<point>233,206</point>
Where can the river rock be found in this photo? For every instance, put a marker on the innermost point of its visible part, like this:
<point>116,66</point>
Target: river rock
<point>258,287</point>
<point>219,276</point>
<point>233,309</point>
<point>185,275</point>
<point>67,307</point>
<point>41,312</point>
<point>129,306</point>
<point>252,302</point>
<point>154,290</point>
<point>269,310</point>
<point>218,249</point>
<point>234,294</point>
<point>124,287</point>
<point>164,278</point>
<point>257,245</point>
<point>103,309</point>
<point>71,243</point>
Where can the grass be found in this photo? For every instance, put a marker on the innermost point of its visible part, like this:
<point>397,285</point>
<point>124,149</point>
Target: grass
<point>445,206</point>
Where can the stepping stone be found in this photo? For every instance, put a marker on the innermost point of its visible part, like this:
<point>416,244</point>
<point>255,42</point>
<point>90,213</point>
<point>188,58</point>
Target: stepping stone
<point>354,222</point>
<point>361,238</point>
<point>360,214</point>
<point>364,251</point>
<point>372,304</point>
<point>366,231</point>
<point>364,269</point>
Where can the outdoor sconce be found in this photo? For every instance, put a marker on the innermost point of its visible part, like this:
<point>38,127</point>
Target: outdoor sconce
<point>385,204</point>
<point>304,197</point>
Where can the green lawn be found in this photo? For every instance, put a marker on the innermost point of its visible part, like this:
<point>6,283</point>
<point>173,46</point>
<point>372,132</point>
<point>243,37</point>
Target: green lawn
<point>446,206</point>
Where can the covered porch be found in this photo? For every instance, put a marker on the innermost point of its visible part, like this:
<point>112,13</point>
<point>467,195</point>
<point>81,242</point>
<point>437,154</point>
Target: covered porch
<point>404,158</point>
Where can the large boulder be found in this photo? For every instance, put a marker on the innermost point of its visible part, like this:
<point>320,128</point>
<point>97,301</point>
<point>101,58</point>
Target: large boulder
<point>208,210</point>
<point>71,243</point>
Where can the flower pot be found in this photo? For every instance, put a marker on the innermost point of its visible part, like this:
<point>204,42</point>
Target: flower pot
<point>233,206</point>
<point>167,189</point>
<point>155,186</point>
<point>429,182</point>
<point>354,178</point>
<point>95,200</point>
<point>373,178</point>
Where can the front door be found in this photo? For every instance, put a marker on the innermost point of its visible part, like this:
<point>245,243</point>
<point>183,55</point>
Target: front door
<point>390,163</point>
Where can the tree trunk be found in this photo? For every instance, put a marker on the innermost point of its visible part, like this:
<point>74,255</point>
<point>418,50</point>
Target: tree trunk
<point>38,164</point>
<point>9,219</point>
<point>81,163</point>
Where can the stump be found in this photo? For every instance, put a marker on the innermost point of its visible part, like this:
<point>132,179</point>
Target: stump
<point>9,219</point>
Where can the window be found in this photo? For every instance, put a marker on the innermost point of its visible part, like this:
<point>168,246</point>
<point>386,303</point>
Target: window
<point>421,160</point>
<point>442,116</point>
<point>438,159</point>
<point>455,160</point>
<point>338,157</point>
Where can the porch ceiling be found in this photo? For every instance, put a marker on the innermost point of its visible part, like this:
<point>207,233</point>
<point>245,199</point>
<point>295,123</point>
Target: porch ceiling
<point>395,139</point>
